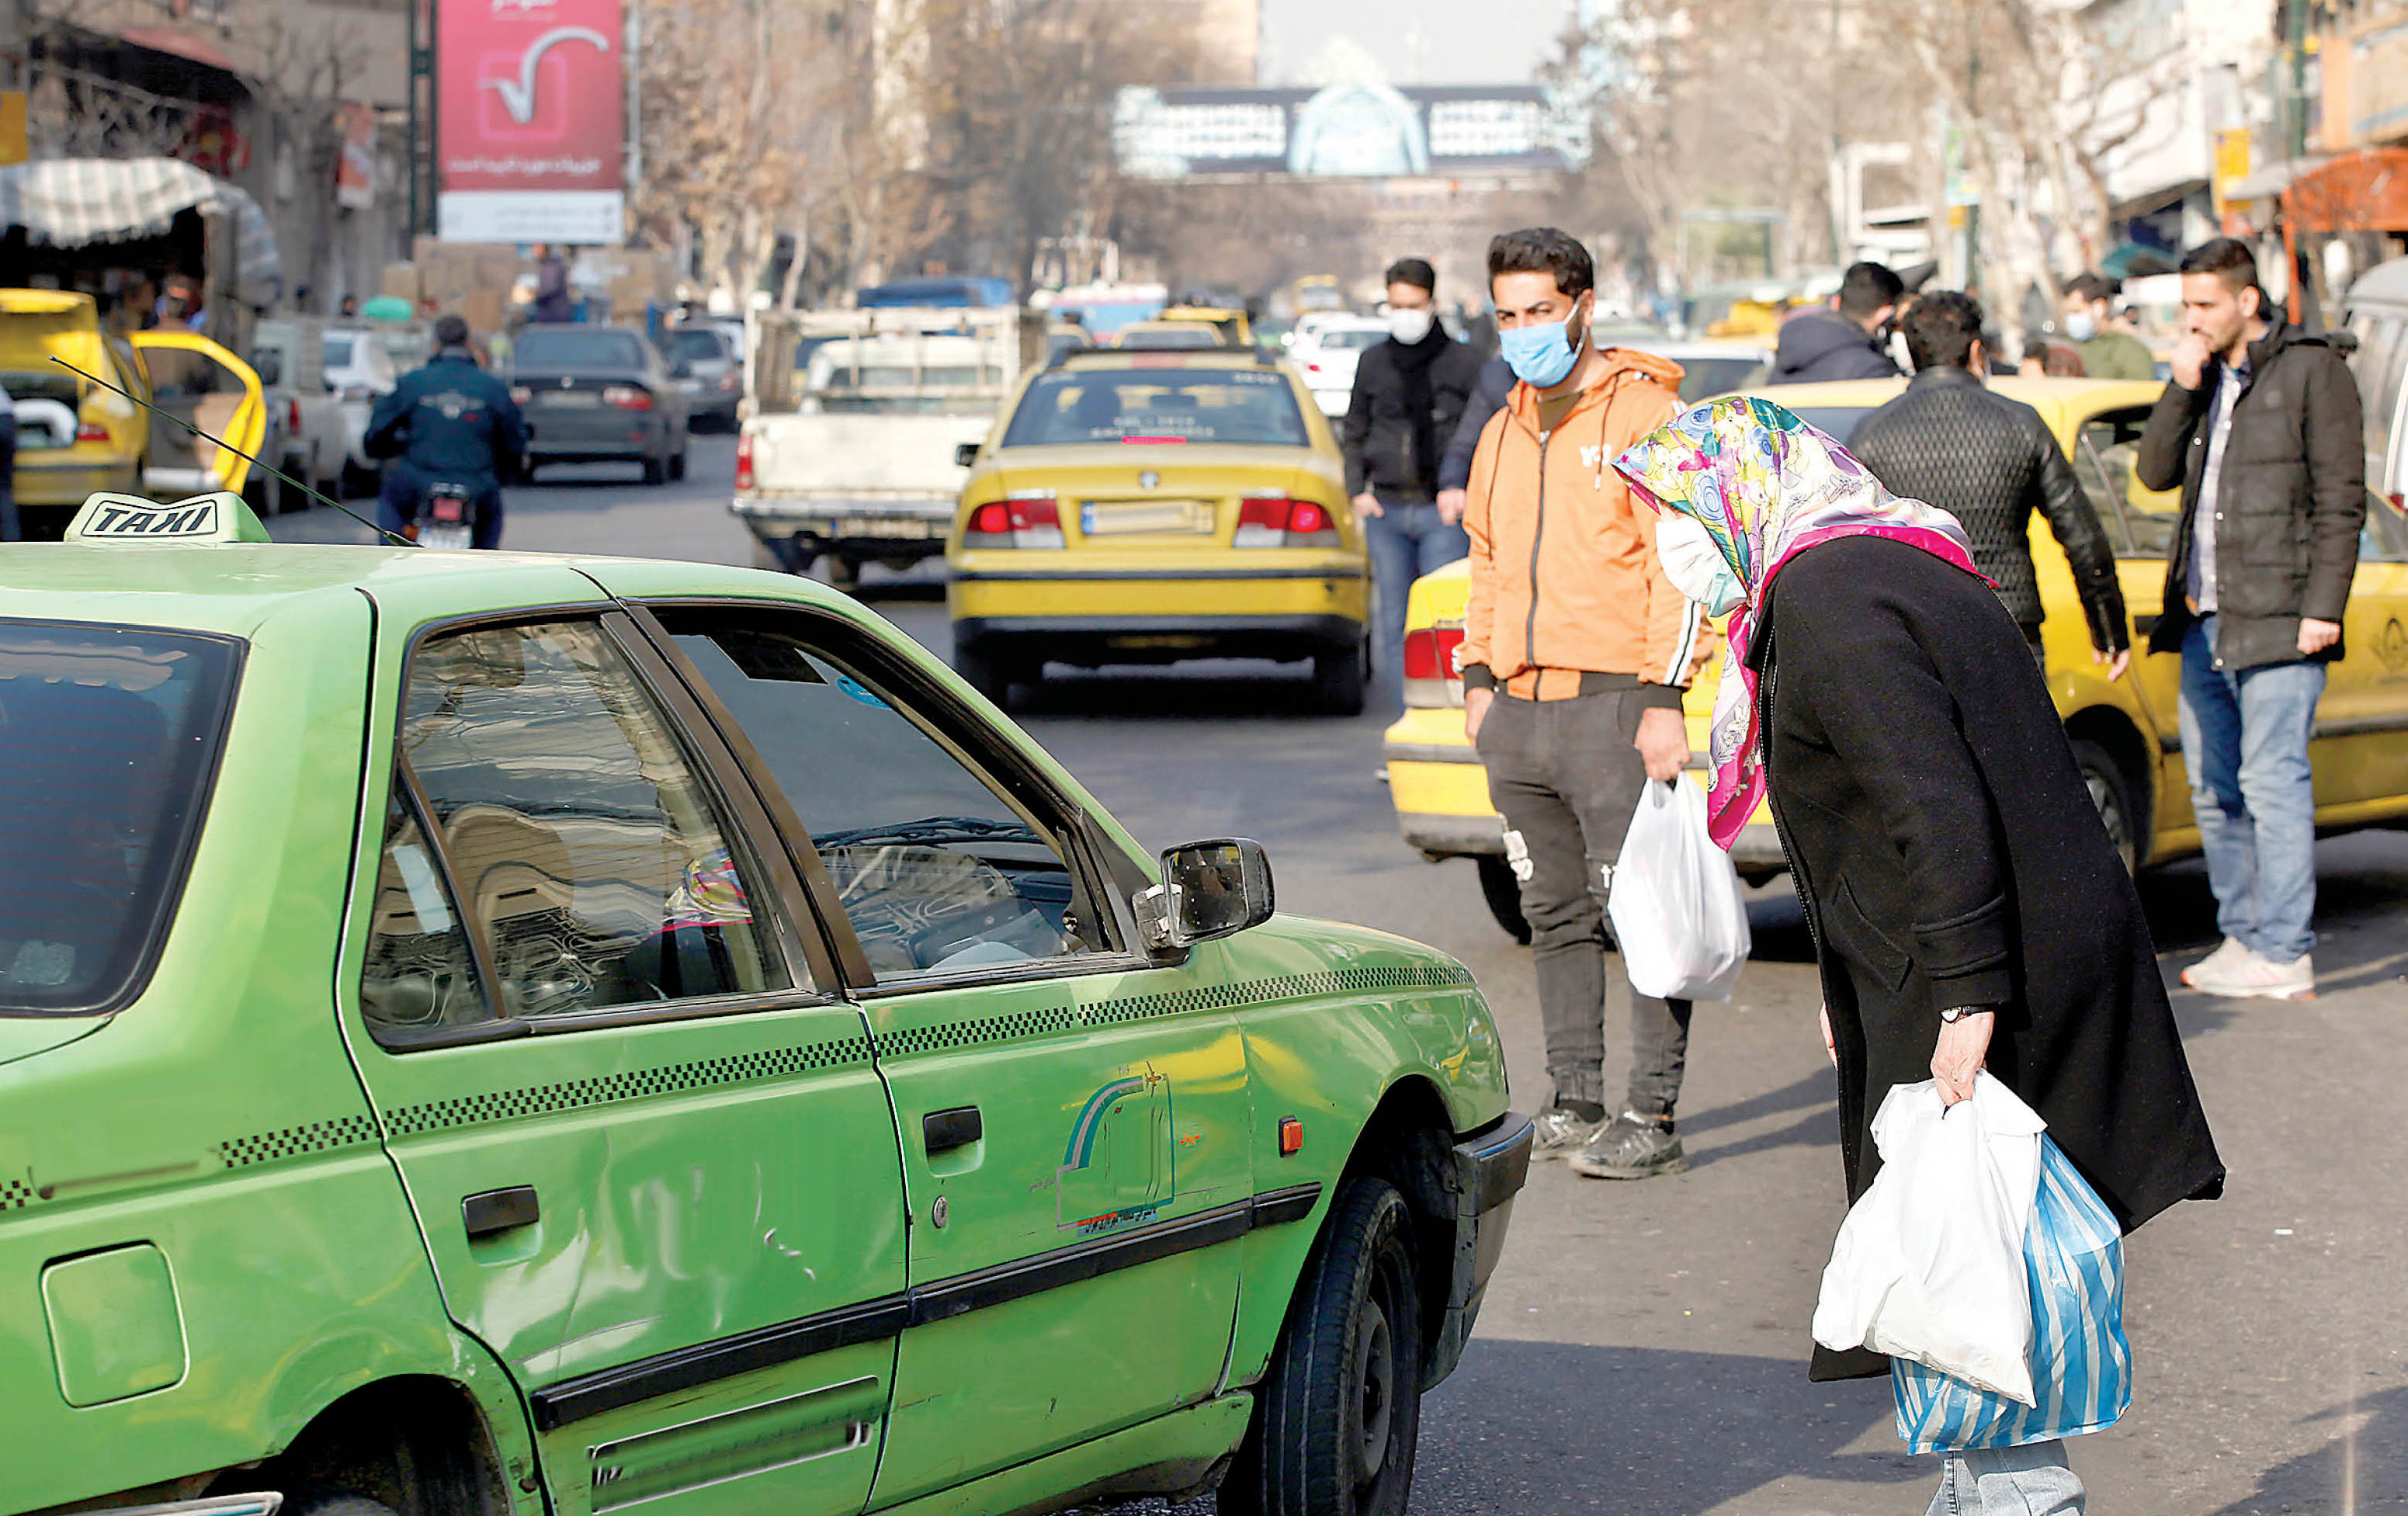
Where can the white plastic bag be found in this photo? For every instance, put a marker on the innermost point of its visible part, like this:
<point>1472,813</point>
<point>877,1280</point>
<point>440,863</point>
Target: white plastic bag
<point>1675,903</point>
<point>1929,1264</point>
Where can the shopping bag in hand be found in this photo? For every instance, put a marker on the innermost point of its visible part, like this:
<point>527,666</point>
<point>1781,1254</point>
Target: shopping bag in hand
<point>1929,1264</point>
<point>2082,1364</point>
<point>1675,903</point>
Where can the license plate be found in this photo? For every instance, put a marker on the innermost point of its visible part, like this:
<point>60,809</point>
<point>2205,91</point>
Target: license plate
<point>571,400</point>
<point>885,527</point>
<point>451,539</point>
<point>1132,517</point>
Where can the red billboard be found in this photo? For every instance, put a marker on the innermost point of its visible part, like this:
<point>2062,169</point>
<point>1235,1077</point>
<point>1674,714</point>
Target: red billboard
<point>531,119</point>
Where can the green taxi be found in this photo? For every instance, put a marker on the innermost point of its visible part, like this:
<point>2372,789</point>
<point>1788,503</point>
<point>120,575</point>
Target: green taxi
<point>504,1034</point>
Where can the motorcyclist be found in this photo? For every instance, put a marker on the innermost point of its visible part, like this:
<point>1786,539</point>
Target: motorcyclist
<point>450,423</point>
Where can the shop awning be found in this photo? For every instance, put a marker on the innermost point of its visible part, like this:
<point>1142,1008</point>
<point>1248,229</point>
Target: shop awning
<point>2366,190</point>
<point>74,202</point>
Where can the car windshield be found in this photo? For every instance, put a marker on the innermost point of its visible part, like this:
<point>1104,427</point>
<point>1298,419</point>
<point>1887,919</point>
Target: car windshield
<point>110,739</point>
<point>1354,338</point>
<point>1157,405</point>
<point>692,345</point>
<point>338,351</point>
<point>569,348</point>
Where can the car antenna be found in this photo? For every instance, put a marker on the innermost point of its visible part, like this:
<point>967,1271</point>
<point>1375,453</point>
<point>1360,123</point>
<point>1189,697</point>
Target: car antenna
<point>394,538</point>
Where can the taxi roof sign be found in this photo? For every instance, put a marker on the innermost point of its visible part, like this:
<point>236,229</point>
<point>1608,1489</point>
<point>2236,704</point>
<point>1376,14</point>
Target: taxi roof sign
<point>220,517</point>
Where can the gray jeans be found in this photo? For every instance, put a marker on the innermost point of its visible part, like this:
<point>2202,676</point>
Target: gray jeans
<point>2030,1481</point>
<point>1566,778</point>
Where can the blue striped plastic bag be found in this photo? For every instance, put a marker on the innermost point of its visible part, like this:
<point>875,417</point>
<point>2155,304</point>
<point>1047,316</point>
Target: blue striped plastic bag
<point>2082,1364</point>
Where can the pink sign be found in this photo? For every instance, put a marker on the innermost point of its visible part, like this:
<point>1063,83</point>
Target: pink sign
<point>531,102</point>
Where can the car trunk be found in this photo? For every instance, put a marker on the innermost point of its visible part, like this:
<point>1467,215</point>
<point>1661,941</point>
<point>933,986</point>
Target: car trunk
<point>1162,497</point>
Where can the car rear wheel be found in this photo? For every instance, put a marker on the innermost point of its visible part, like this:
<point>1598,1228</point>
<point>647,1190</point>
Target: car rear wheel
<point>677,464</point>
<point>1503,892</point>
<point>986,672</point>
<point>656,470</point>
<point>1340,677</point>
<point>2112,793</point>
<point>1338,1415</point>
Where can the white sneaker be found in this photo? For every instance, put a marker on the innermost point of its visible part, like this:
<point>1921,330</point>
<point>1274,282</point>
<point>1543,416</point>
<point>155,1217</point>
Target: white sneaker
<point>2230,953</point>
<point>2254,977</point>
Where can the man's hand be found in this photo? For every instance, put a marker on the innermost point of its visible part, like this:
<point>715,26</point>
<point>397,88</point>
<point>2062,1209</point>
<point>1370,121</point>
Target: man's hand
<point>1475,710</point>
<point>1450,506</point>
<point>2188,359</point>
<point>1663,743</point>
<point>1367,505</point>
<point>1830,1048</point>
<point>2116,662</point>
<point>1964,1047</point>
<point>2315,636</point>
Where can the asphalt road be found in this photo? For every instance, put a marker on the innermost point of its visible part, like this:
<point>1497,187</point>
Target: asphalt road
<point>1643,1348</point>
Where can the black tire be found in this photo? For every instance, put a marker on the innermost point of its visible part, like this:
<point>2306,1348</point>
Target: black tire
<point>2111,791</point>
<point>986,673</point>
<point>292,497</point>
<point>1503,892</point>
<point>320,1501</point>
<point>355,481</point>
<point>1337,1415</point>
<point>766,556</point>
<point>656,470</point>
<point>677,464</point>
<point>1340,677</point>
<point>844,573</point>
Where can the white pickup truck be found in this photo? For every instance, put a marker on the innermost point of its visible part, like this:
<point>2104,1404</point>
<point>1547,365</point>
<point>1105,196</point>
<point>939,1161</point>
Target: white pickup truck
<point>856,455</point>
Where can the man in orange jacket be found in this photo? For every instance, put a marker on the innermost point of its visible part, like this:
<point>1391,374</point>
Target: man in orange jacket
<point>1575,655</point>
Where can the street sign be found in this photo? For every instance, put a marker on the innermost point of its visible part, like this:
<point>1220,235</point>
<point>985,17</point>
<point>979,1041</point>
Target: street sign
<point>1346,131</point>
<point>531,108</point>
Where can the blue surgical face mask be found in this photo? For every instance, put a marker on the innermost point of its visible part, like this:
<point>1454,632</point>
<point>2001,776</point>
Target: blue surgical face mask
<point>1695,565</point>
<point>1541,357</point>
<point>2081,326</point>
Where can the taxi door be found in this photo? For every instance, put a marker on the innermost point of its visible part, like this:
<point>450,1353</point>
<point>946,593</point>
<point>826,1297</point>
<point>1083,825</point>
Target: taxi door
<point>196,380</point>
<point>2359,755</point>
<point>643,1136</point>
<point>1075,1121</point>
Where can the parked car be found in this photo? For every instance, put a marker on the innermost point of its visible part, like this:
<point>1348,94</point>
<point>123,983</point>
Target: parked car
<point>2125,733</point>
<point>707,362</point>
<point>359,369</point>
<point>1326,354</point>
<point>507,1036</point>
<point>312,439</point>
<point>598,393</point>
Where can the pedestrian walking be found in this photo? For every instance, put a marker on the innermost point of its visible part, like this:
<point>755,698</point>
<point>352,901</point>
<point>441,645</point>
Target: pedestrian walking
<point>1576,653</point>
<point>2261,428</point>
<point>1487,398</point>
<point>1990,461</point>
<point>1967,908</point>
<point>2107,349</point>
<point>1847,340</point>
<point>1409,394</point>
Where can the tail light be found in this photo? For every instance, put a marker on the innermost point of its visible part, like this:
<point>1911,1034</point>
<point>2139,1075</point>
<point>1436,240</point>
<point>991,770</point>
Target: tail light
<point>520,393</point>
<point>1432,677</point>
<point>626,397</point>
<point>90,432</point>
<point>1022,519</point>
<point>744,462</point>
<point>292,416</point>
<point>1276,520</point>
<point>731,380</point>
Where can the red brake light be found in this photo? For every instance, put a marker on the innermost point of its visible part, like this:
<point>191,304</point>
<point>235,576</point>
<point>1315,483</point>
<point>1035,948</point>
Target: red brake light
<point>90,432</point>
<point>1276,520</point>
<point>744,462</point>
<point>1430,675</point>
<point>292,415</point>
<point>626,397</point>
<point>1023,518</point>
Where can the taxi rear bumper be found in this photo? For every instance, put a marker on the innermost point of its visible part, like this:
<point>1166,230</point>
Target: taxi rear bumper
<point>1490,1166</point>
<point>1090,641</point>
<point>1443,811</point>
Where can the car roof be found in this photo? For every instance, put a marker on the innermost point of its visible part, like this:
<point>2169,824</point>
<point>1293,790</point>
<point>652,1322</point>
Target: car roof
<point>1093,358</point>
<point>46,303</point>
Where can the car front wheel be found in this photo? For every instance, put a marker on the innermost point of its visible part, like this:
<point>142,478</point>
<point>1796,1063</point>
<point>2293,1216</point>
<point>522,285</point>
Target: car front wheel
<point>2112,794</point>
<point>1337,1415</point>
<point>1503,892</point>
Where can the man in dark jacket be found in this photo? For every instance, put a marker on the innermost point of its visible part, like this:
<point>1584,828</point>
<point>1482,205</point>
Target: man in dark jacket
<point>447,422</point>
<point>1842,343</point>
<point>1409,394</point>
<point>1487,400</point>
<point>1990,461</point>
<point>2260,426</point>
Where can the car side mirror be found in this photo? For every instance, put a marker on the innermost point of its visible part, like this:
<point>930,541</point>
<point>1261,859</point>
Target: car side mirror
<point>1208,890</point>
<point>966,454</point>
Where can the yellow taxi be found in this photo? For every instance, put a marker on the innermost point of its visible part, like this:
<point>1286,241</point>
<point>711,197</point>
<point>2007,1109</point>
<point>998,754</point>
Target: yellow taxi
<point>2125,733</point>
<point>1227,322</point>
<point>76,438</point>
<point>1146,508</point>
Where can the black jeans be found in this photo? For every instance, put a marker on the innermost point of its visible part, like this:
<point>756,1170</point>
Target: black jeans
<point>1566,778</point>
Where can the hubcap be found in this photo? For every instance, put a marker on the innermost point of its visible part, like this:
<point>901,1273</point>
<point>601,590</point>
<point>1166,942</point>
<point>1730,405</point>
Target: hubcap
<point>1375,1376</point>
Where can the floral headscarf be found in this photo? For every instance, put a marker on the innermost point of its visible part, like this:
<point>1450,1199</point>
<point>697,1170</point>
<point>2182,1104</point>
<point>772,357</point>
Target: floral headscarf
<point>1766,486</point>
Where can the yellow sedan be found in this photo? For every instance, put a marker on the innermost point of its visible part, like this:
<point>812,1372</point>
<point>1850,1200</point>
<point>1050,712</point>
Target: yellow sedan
<point>2125,733</point>
<point>1145,507</point>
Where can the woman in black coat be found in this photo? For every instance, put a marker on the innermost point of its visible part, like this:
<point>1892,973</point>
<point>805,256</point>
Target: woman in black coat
<point>1967,908</point>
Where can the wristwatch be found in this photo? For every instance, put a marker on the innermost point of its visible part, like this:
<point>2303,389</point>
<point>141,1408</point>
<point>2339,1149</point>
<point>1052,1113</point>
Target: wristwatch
<point>1957,1013</point>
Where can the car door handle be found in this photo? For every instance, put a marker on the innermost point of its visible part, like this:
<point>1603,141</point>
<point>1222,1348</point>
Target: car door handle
<point>489,1211</point>
<point>945,1130</point>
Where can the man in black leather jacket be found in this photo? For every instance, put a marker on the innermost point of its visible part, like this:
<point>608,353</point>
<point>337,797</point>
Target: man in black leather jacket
<point>1990,461</point>
<point>447,422</point>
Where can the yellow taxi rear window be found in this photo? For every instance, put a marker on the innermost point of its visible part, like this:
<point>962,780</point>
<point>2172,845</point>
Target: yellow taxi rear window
<point>1158,404</point>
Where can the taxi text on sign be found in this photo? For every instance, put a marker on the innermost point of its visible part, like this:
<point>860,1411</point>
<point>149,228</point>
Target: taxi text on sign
<point>220,517</point>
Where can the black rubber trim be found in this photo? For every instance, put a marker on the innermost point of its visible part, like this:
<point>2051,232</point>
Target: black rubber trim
<point>1498,1161</point>
<point>574,1400</point>
<point>1080,576</point>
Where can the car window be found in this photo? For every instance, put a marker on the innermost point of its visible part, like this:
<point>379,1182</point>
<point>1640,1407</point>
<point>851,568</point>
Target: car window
<point>2382,365</point>
<point>110,739</point>
<point>1156,405</point>
<point>574,832</point>
<point>695,346</point>
<point>338,350</point>
<point>2384,540</point>
<point>1356,338</point>
<point>541,348</point>
<point>935,868</point>
<point>2103,456</point>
